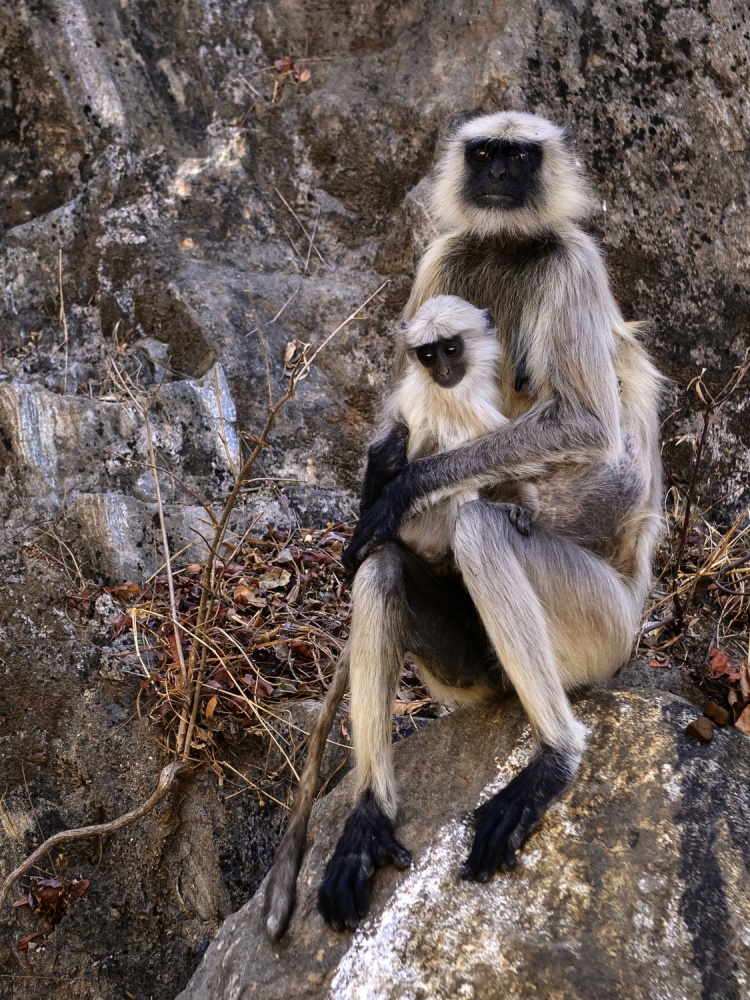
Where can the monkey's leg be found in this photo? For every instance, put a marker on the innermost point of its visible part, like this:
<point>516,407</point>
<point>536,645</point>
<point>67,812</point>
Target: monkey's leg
<point>557,616</point>
<point>377,647</point>
<point>278,901</point>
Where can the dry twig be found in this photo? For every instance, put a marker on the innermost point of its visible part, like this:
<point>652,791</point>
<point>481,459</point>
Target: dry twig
<point>63,319</point>
<point>166,778</point>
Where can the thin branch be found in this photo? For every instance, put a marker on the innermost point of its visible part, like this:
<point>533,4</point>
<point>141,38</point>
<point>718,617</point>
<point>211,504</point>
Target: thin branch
<point>732,565</point>
<point>294,245</point>
<point>299,283</point>
<point>222,432</point>
<point>302,227</point>
<point>310,247</point>
<point>655,625</point>
<point>166,778</point>
<point>264,348</point>
<point>174,477</point>
<point>63,319</point>
<point>165,543</point>
<point>63,545</point>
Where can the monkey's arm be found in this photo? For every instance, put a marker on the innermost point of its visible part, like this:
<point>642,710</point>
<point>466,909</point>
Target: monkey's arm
<point>569,346</point>
<point>386,458</point>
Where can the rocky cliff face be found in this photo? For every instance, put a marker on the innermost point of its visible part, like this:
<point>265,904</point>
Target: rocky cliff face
<point>165,188</point>
<point>161,179</point>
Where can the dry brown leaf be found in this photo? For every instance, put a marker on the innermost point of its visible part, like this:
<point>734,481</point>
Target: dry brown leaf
<point>243,594</point>
<point>658,660</point>
<point>743,723</point>
<point>124,590</point>
<point>745,680</point>
<point>718,661</point>
<point>301,649</point>
<point>291,349</point>
<point>213,701</point>
<point>258,684</point>
<point>30,939</point>
<point>275,578</point>
<point>410,707</point>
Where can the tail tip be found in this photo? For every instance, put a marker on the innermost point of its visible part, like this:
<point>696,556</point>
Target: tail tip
<point>276,914</point>
<point>274,927</point>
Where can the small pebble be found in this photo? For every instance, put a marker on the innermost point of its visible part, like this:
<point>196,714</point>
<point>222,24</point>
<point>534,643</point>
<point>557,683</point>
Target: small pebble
<point>702,729</point>
<point>717,713</point>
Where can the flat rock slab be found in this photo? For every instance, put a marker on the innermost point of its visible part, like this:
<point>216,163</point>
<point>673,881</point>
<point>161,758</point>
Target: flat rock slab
<point>636,884</point>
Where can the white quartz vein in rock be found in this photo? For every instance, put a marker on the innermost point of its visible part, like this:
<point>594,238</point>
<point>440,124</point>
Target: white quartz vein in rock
<point>377,965</point>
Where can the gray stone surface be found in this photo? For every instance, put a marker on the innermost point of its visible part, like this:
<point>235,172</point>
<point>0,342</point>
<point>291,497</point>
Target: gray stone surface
<point>637,883</point>
<point>675,679</point>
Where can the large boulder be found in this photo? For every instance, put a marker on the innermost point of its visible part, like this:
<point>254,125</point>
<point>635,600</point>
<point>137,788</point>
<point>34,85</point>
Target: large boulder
<point>637,883</point>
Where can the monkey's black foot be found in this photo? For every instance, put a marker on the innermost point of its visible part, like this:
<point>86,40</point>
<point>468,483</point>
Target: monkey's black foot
<point>505,821</point>
<point>367,843</point>
<point>521,518</point>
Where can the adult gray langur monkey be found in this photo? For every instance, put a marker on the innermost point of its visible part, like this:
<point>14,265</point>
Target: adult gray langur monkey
<point>543,613</point>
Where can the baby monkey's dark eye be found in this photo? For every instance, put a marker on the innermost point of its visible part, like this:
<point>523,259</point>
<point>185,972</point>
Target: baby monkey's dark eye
<point>520,156</point>
<point>480,154</point>
<point>426,357</point>
<point>451,349</point>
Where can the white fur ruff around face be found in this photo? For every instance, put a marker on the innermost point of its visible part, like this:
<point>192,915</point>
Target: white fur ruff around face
<point>562,195</point>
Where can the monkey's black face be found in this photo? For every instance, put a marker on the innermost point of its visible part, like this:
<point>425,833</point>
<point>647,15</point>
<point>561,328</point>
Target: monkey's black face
<point>502,174</point>
<point>444,360</point>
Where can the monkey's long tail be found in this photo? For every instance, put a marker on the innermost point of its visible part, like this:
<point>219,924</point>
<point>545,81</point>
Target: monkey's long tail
<point>281,888</point>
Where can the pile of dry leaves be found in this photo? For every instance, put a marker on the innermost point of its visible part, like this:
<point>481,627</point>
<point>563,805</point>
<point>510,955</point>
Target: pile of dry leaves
<point>700,615</point>
<point>280,618</point>
<point>281,615</point>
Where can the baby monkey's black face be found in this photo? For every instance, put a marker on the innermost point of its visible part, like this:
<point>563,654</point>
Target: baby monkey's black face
<point>444,360</point>
<point>502,174</point>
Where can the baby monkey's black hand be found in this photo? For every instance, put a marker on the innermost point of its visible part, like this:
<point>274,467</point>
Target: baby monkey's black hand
<point>380,523</point>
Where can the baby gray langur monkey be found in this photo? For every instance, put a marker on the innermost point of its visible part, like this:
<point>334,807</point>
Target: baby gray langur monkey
<point>447,395</point>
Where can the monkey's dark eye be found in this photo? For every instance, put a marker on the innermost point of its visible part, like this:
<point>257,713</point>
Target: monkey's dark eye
<point>480,154</point>
<point>451,349</point>
<point>519,156</point>
<point>427,357</point>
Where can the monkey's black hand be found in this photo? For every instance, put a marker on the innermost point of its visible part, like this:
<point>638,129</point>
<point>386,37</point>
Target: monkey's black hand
<point>521,518</point>
<point>367,843</point>
<point>381,522</point>
<point>385,459</point>
<point>505,821</point>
